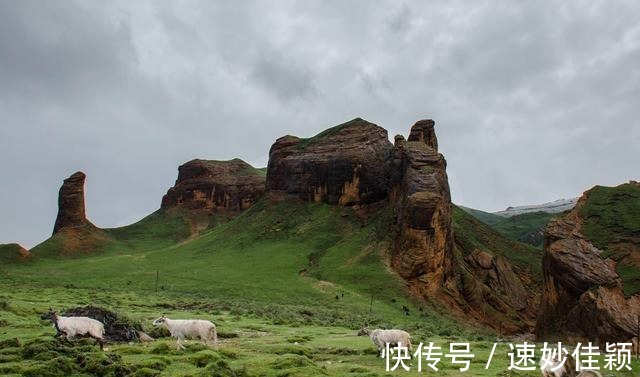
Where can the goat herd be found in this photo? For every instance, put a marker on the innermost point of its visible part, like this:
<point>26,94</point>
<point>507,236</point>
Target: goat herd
<point>70,327</point>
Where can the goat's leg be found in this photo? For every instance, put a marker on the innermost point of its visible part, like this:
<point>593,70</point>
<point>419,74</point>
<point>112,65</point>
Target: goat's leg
<point>179,342</point>
<point>100,342</point>
<point>66,338</point>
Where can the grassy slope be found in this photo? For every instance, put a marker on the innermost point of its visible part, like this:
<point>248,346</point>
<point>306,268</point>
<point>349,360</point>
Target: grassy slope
<point>473,234</point>
<point>260,347</point>
<point>289,253</point>
<point>486,217</point>
<point>305,142</point>
<point>10,253</point>
<point>270,276</point>
<point>612,222</point>
<point>523,228</point>
<point>527,227</point>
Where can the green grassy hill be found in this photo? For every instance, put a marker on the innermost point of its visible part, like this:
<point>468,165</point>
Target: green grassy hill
<point>471,233</point>
<point>612,223</point>
<point>486,217</point>
<point>527,228</point>
<point>12,252</point>
<point>287,283</point>
<point>286,253</point>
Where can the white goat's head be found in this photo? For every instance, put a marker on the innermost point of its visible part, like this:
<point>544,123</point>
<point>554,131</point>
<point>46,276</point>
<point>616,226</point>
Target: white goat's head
<point>160,321</point>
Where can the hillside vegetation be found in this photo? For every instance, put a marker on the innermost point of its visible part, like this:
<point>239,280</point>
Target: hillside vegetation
<point>612,223</point>
<point>287,282</point>
<point>527,227</point>
<point>471,234</point>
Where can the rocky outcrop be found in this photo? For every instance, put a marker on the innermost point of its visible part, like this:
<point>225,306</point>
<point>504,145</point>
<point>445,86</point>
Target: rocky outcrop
<point>71,209</point>
<point>583,294</point>
<point>13,252</point>
<point>495,274</point>
<point>344,165</point>
<point>215,186</point>
<point>423,247</point>
<point>355,165</point>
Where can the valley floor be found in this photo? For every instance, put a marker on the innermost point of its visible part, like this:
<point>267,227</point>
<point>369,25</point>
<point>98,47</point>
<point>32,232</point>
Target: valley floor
<point>284,341</point>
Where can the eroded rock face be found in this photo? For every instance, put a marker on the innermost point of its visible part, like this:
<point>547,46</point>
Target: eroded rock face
<point>71,208</point>
<point>495,274</point>
<point>419,188</point>
<point>344,165</point>
<point>215,186</point>
<point>355,165</point>
<point>583,294</point>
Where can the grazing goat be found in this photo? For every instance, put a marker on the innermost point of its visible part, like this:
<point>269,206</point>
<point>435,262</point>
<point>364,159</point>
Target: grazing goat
<point>381,337</point>
<point>69,327</point>
<point>566,370</point>
<point>189,328</point>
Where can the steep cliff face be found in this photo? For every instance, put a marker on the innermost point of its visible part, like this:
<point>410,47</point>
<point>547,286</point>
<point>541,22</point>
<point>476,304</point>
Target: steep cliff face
<point>591,268</point>
<point>208,192</point>
<point>71,210</point>
<point>354,164</point>
<point>423,248</point>
<point>215,186</point>
<point>344,165</point>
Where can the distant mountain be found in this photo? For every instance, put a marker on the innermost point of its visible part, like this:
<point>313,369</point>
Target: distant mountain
<point>557,206</point>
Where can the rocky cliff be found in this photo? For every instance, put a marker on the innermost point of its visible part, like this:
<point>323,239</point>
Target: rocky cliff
<point>344,165</point>
<point>591,268</point>
<point>423,247</point>
<point>208,191</point>
<point>71,209</point>
<point>215,186</point>
<point>355,165</point>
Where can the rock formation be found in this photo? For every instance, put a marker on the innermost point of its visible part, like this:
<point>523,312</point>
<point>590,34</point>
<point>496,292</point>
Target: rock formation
<point>583,294</point>
<point>344,165</point>
<point>215,186</point>
<point>419,189</point>
<point>71,210</point>
<point>354,164</point>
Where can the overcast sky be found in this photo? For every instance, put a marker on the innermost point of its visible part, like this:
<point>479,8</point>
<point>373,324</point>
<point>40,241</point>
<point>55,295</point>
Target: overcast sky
<point>533,101</point>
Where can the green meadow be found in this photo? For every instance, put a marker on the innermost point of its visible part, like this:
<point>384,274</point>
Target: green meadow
<point>287,283</point>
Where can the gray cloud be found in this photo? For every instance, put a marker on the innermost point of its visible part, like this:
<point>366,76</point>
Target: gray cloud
<point>287,80</point>
<point>533,101</point>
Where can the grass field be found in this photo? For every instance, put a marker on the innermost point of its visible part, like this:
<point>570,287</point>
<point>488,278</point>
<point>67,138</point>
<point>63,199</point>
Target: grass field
<point>287,283</point>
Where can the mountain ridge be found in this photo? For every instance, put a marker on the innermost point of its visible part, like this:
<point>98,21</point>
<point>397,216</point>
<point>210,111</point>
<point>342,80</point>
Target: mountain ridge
<point>354,170</point>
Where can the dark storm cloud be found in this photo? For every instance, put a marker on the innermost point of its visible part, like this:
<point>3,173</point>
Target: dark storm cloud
<point>533,101</point>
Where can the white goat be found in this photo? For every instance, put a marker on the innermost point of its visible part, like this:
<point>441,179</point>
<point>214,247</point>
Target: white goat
<point>189,328</point>
<point>69,327</point>
<point>566,370</point>
<point>381,337</point>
